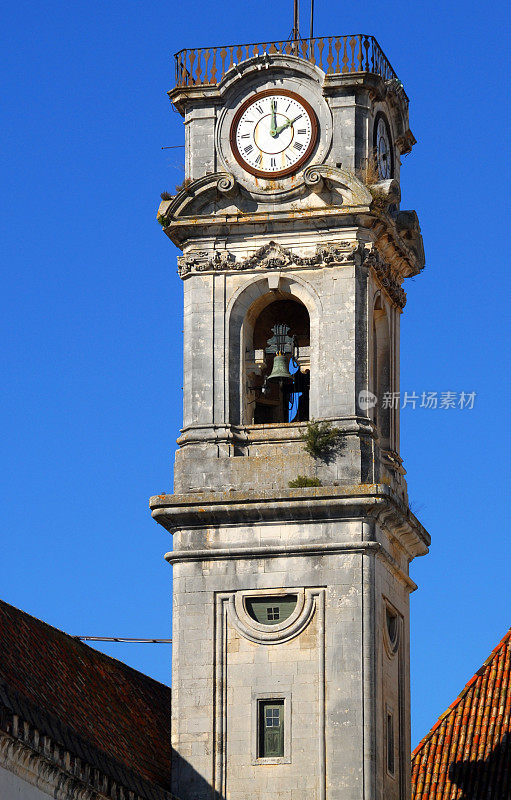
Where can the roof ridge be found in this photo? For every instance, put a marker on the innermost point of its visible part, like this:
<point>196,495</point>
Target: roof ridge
<point>83,644</point>
<point>482,669</point>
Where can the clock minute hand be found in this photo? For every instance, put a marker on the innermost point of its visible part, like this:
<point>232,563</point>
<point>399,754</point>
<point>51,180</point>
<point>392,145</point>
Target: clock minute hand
<point>273,127</point>
<point>285,125</point>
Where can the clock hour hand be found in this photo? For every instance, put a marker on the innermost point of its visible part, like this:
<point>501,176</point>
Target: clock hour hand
<point>285,125</point>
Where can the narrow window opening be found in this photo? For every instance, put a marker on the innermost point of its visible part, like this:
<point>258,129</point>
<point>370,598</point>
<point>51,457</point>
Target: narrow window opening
<point>390,743</point>
<point>271,729</point>
<point>382,374</point>
<point>392,628</point>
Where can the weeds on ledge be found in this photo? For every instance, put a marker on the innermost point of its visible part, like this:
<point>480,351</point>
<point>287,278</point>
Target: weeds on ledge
<point>302,480</point>
<point>321,439</point>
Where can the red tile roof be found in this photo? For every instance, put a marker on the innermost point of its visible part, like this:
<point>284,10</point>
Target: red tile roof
<point>467,753</point>
<point>114,717</point>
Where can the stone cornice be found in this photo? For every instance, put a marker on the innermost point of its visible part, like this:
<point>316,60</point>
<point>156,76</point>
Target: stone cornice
<point>399,242</point>
<point>37,759</point>
<point>216,204</point>
<point>45,774</point>
<point>288,551</point>
<point>217,199</point>
<point>211,509</point>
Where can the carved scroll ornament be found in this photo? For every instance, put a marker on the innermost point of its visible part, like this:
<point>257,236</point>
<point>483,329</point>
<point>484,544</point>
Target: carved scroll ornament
<point>385,277</point>
<point>270,256</point>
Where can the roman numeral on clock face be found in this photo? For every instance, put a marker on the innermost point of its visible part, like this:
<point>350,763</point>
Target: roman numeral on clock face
<point>258,160</point>
<point>248,149</point>
<point>302,132</point>
<point>259,108</point>
<point>273,163</point>
<point>298,146</point>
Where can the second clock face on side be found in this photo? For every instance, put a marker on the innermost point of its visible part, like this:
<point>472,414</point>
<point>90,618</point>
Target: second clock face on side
<point>382,148</point>
<point>273,133</point>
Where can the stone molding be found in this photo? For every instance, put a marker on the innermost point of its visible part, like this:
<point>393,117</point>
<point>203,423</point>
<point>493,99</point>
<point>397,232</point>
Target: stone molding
<point>287,551</point>
<point>210,509</point>
<point>270,256</point>
<point>198,201</point>
<point>385,277</point>
<point>224,605</point>
<point>217,200</point>
<point>187,203</point>
<point>282,432</point>
<point>275,634</point>
<point>46,775</point>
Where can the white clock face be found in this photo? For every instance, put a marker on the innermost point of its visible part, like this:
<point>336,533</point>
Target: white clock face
<point>383,154</point>
<point>273,133</point>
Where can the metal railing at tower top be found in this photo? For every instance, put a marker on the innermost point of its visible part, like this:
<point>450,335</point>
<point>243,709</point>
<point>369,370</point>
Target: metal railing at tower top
<point>335,55</point>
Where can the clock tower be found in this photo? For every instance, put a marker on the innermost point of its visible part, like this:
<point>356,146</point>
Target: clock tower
<point>291,527</point>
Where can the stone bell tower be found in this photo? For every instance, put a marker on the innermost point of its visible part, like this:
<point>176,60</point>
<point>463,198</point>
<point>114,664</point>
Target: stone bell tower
<point>290,674</point>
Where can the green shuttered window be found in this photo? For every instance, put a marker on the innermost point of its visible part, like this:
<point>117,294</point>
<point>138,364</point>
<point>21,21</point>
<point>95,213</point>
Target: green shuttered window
<point>271,729</point>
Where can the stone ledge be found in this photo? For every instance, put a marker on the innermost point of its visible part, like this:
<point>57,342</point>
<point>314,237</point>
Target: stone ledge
<point>317,503</point>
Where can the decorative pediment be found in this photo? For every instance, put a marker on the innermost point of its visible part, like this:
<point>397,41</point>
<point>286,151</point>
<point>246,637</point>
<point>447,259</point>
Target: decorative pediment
<point>322,178</point>
<point>320,190</point>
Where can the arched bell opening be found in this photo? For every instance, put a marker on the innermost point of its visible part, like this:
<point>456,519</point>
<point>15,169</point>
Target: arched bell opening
<point>382,373</point>
<point>276,356</point>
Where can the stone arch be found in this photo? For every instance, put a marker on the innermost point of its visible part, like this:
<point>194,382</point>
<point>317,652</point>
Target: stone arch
<point>242,311</point>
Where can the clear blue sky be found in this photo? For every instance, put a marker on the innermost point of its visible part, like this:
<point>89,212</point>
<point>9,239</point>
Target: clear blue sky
<point>91,401</point>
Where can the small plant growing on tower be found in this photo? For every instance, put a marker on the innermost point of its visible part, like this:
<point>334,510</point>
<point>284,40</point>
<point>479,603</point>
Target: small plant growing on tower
<point>166,196</point>
<point>301,481</point>
<point>369,173</point>
<point>370,176</point>
<point>183,185</point>
<point>321,439</point>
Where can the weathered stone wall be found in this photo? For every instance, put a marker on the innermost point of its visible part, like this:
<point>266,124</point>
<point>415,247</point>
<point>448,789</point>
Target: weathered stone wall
<point>332,667</point>
<point>219,449</point>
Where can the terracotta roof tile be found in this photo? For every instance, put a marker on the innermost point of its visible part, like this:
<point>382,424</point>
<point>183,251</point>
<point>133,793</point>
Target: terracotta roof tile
<point>467,753</point>
<point>112,713</point>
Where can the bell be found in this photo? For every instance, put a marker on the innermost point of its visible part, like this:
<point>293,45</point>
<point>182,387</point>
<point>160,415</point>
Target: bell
<point>280,371</point>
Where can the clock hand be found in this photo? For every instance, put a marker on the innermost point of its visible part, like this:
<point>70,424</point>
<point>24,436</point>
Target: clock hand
<point>286,125</point>
<point>273,128</point>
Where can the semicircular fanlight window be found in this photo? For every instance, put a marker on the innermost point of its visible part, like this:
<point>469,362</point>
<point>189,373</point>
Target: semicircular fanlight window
<point>272,609</point>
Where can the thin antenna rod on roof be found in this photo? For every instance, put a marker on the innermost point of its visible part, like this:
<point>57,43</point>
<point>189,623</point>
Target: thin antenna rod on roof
<point>121,639</point>
<point>312,20</point>
<point>296,21</point>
